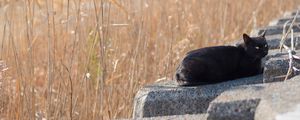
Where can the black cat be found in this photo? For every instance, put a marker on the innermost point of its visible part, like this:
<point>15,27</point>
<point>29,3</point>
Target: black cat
<point>222,63</point>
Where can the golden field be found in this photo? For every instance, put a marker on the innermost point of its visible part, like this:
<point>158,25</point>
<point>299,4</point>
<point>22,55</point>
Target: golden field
<point>86,59</point>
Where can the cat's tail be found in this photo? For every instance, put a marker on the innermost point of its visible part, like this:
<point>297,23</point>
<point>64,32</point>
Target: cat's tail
<point>181,80</point>
<point>187,75</point>
<point>184,80</point>
<point>180,76</point>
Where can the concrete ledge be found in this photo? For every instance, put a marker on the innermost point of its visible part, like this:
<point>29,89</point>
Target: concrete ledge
<point>166,98</point>
<point>231,101</point>
<point>274,100</point>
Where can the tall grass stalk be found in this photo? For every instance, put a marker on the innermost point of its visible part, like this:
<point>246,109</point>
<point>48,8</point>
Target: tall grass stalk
<point>50,59</point>
<point>30,67</point>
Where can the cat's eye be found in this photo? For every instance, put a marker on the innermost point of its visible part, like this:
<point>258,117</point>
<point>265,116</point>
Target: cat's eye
<point>266,46</point>
<point>256,47</point>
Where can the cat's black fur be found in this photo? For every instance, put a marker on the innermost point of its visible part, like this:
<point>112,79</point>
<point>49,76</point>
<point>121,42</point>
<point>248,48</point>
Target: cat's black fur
<point>222,63</point>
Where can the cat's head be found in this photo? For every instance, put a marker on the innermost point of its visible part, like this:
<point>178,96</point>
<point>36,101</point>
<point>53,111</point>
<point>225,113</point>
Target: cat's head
<point>256,47</point>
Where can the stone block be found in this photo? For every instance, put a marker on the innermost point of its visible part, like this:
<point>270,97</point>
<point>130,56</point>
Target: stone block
<point>233,110</point>
<point>276,66</point>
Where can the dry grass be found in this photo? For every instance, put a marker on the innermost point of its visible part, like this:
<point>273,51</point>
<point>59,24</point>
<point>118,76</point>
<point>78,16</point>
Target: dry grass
<point>86,59</point>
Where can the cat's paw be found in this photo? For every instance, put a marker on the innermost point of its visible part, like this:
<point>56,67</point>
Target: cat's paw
<point>181,79</point>
<point>183,83</point>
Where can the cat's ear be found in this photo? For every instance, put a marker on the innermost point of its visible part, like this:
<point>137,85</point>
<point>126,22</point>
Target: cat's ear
<point>246,38</point>
<point>263,34</point>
